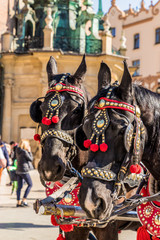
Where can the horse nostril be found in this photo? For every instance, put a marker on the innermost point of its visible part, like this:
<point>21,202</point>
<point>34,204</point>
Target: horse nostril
<point>48,174</point>
<point>101,204</point>
<point>59,169</point>
<point>100,207</point>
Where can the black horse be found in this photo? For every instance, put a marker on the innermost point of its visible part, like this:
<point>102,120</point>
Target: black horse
<point>64,120</point>
<point>121,129</point>
<point>59,115</point>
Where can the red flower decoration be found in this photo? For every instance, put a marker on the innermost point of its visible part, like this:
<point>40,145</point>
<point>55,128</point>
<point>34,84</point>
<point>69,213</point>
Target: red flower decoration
<point>103,147</point>
<point>67,228</point>
<point>55,119</point>
<point>87,143</point>
<point>94,147</point>
<point>37,137</point>
<point>135,169</point>
<point>46,121</point>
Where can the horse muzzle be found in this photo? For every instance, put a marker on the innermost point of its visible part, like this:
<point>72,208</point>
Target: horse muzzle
<point>52,172</point>
<point>95,199</point>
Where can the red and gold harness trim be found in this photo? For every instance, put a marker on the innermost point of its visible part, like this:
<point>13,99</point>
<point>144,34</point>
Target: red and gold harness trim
<point>61,87</point>
<point>56,101</point>
<point>110,103</point>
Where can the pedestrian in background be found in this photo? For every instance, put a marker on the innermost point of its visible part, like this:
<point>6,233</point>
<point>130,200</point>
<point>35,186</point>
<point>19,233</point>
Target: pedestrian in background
<point>6,156</point>
<point>24,160</point>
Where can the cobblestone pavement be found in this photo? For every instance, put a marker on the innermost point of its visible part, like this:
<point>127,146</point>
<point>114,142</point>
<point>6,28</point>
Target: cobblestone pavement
<point>23,223</point>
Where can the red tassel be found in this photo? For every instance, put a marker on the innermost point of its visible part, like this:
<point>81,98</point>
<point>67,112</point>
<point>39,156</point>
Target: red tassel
<point>46,121</point>
<point>60,237</point>
<point>55,119</point>
<point>87,143</point>
<point>142,233</point>
<point>103,147</point>
<point>94,147</point>
<point>67,228</point>
<point>53,221</point>
<point>135,169</point>
<point>37,137</point>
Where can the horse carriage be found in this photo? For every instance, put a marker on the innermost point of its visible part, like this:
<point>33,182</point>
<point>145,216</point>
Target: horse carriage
<point>100,157</point>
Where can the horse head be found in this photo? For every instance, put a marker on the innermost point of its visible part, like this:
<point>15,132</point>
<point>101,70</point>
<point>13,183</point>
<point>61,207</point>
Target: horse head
<point>114,134</point>
<point>58,115</point>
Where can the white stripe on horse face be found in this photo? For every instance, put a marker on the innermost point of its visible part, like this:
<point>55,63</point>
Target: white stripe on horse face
<point>89,204</point>
<point>48,174</point>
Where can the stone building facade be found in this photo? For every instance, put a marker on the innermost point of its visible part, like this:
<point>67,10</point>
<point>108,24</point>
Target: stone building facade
<point>141,29</point>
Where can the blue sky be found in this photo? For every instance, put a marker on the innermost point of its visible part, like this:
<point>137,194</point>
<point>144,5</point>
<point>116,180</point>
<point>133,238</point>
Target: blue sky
<point>122,4</point>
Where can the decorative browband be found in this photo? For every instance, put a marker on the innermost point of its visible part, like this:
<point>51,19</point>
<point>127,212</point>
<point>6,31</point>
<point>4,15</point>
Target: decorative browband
<point>98,173</point>
<point>58,134</point>
<point>56,102</point>
<point>104,103</point>
<point>61,87</point>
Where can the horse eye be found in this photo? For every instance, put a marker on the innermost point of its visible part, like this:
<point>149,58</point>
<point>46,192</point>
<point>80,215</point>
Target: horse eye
<point>122,130</point>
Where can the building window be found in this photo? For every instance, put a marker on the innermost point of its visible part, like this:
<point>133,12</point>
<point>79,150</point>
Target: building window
<point>29,29</point>
<point>136,63</point>
<point>136,41</point>
<point>113,31</point>
<point>158,35</point>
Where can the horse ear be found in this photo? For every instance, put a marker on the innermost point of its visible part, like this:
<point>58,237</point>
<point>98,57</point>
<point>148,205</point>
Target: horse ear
<point>51,68</point>
<point>81,70</point>
<point>125,88</point>
<point>104,76</point>
<point>80,137</point>
<point>35,111</point>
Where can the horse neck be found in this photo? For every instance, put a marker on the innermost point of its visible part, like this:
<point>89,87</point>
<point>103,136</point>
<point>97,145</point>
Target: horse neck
<point>149,104</point>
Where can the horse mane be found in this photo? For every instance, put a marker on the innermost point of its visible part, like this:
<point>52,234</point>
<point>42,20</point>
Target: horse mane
<point>149,103</point>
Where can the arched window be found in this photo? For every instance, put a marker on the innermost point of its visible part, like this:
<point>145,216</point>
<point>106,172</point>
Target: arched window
<point>28,29</point>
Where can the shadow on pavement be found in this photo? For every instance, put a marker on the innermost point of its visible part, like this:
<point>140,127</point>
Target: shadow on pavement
<point>11,226</point>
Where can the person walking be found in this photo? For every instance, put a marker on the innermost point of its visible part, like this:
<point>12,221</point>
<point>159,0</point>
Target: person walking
<point>24,160</point>
<point>5,154</point>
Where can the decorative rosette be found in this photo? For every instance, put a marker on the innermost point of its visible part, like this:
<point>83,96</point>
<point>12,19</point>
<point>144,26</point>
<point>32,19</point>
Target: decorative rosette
<point>53,107</point>
<point>97,140</point>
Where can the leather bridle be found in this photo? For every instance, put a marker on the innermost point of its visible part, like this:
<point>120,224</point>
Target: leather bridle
<point>132,140</point>
<point>54,105</point>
